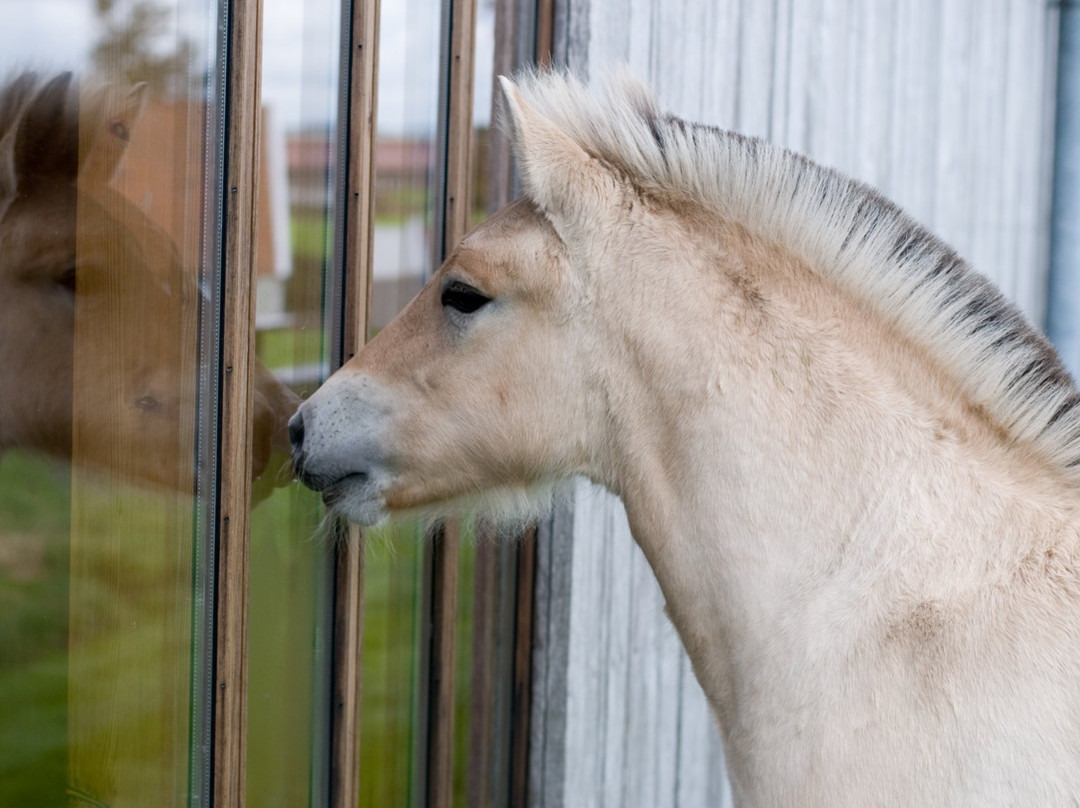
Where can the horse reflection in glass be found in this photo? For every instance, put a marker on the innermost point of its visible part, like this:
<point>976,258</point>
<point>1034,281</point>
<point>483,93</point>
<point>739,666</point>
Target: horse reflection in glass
<point>851,463</point>
<point>98,313</point>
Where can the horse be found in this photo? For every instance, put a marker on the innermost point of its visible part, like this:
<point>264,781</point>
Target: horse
<point>98,311</point>
<point>852,465</point>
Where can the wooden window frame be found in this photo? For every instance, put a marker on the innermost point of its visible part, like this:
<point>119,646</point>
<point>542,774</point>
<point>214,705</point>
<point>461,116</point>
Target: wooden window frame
<point>236,386</point>
<point>241,124</point>
<point>360,72</point>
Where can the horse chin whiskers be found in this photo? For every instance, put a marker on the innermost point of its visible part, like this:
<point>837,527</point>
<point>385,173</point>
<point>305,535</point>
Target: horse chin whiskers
<point>508,510</point>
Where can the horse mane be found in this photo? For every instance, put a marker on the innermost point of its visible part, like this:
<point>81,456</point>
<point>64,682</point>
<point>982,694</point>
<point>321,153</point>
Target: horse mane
<point>844,230</point>
<point>15,94</point>
<point>18,94</point>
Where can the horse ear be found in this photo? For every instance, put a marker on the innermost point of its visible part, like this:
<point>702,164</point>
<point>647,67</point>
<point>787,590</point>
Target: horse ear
<point>558,175</point>
<point>45,152</point>
<point>107,138</point>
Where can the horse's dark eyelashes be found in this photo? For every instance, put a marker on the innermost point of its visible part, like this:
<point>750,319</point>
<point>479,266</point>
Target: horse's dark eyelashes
<point>463,298</point>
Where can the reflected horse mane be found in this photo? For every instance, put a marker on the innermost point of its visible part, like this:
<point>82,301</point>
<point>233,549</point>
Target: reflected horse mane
<point>17,95</point>
<point>846,232</point>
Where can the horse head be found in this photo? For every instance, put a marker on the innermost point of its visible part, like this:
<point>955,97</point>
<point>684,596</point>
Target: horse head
<point>99,332</point>
<point>488,385</point>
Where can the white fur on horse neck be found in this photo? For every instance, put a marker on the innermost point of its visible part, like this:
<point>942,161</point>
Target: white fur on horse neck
<point>850,463</point>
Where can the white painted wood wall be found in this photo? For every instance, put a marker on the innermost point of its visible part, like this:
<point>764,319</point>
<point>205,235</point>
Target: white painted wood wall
<point>946,106</point>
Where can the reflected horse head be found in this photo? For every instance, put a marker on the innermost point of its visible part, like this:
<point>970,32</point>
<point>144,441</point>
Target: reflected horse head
<point>99,325</point>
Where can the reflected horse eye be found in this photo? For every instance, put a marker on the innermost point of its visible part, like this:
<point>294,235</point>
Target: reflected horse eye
<point>66,279</point>
<point>463,298</point>
<point>121,131</point>
<point>147,403</point>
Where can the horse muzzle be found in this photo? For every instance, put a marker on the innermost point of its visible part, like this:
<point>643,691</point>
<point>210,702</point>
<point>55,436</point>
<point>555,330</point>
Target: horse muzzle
<point>338,449</point>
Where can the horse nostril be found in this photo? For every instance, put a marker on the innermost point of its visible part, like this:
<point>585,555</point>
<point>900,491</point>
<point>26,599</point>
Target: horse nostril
<point>296,431</point>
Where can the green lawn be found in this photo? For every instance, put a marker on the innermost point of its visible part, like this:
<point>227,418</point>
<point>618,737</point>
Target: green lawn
<point>34,524</point>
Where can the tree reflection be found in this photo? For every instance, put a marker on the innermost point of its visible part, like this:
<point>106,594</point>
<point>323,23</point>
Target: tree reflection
<point>134,48</point>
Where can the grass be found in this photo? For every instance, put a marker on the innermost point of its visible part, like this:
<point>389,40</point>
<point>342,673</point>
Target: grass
<point>131,669</point>
<point>288,649</point>
<point>393,563</point>
<point>286,347</point>
<point>34,524</point>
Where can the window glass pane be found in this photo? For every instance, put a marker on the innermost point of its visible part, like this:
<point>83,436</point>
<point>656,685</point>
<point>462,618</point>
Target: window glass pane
<point>108,242</point>
<point>405,191</point>
<point>297,265</point>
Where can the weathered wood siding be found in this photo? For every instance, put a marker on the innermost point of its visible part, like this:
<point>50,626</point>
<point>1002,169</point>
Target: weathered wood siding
<point>946,106</point>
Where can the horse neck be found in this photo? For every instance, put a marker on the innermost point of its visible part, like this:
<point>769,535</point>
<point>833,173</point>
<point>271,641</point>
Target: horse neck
<point>792,469</point>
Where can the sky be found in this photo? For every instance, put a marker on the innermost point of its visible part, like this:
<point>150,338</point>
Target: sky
<point>300,52</point>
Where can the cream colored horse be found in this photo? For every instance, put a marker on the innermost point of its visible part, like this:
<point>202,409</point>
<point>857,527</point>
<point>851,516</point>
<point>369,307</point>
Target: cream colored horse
<point>852,464</point>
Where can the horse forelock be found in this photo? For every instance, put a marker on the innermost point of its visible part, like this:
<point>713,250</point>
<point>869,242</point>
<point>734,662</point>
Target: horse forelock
<point>18,95</point>
<point>845,231</point>
<point>77,102</point>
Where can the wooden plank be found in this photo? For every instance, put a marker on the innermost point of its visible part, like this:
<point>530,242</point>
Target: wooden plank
<point>362,82</point>
<point>521,707</point>
<point>572,33</point>
<point>553,604</point>
<point>646,702</point>
<point>545,32</point>
<point>1025,105</point>
<point>872,112</point>
<point>953,184</point>
<point>586,676</point>
<point>610,658</point>
<point>799,108</point>
<point>238,347</point>
<point>666,660</point>
<point>444,547</point>
<point>484,650</point>
<point>346,683</point>
<point>1043,154</point>
<point>755,55</point>
<point>458,166</point>
<point>440,732</point>
<point>500,159</point>
<point>781,71</point>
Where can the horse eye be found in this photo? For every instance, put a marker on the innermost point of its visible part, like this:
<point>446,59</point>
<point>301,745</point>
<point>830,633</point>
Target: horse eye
<point>66,279</point>
<point>463,298</point>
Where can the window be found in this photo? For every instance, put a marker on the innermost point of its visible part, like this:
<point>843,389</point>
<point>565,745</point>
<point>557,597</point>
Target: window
<point>209,207</point>
<point>110,271</point>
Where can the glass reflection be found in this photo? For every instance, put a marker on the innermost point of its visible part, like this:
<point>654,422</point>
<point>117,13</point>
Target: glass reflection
<point>290,558</point>
<point>107,280</point>
<point>404,256</point>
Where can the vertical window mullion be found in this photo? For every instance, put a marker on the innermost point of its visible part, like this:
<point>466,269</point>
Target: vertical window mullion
<point>521,700</point>
<point>235,380</point>
<point>360,81</point>
<point>453,215</point>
